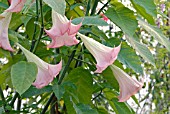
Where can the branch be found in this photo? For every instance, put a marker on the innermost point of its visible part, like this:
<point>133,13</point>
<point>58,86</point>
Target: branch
<point>42,27</point>
<point>35,27</point>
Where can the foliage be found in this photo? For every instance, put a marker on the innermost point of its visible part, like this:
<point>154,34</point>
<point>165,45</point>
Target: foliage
<point>77,89</point>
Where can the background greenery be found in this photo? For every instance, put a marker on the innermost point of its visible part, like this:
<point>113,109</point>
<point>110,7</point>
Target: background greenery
<point>143,27</point>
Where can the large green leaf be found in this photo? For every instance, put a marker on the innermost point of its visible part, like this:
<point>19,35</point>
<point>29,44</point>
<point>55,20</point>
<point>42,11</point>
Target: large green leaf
<point>108,75</point>
<point>5,71</point>
<point>57,5</point>
<point>122,17</point>
<point>118,107</point>
<point>84,83</point>
<point>70,92</point>
<point>156,33</point>
<point>23,74</point>
<point>33,91</point>
<point>127,56</point>
<point>90,21</point>
<point>141,49</point>
<point>16,21</point>
<point>146,8</point>
<point>84,109</point>
<point>58,90</point>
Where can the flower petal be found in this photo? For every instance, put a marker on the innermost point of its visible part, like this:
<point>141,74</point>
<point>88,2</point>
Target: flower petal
<point>73,29</point>
<point>63,40</point>
<point>55,69</point>
<point>60,25</point>
<point>62,32</point>
<point>104,55</point>
<point>46,72</point>
<point>43,78</point>
<point>16,5</point>
<point>128,85</point>
<point>4,23</point>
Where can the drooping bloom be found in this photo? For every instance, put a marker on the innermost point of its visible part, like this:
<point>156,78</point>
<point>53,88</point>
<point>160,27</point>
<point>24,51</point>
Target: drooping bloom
<point>62,32</point>
<point>104,55</point>
<point>5,19</point>
<point>128,85</point>
<point>16,5</point>
<point>46,72</point>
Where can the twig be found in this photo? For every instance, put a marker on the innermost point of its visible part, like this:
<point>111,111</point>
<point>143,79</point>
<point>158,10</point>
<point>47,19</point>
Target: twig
<point>94,7</point>
<point>105,5</point>
<point>42,27</point>
<point>35,28</point>
<point>66,67</point>
<point>48,103</point>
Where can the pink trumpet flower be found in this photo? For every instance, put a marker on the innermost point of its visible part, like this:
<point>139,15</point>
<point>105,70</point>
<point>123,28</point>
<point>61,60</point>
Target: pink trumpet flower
<point>5,19</point>
<point>16,5</point>
<point>46,72</point>
<point>104,55</point>
<point>128,85</point>
<point>62,32</point>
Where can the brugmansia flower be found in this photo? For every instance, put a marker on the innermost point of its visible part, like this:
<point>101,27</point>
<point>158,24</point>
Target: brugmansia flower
<point>62,32</point>
<point>104,55</point>
<point>128,85</point>
<point>5,19</point>
<point>16,5</point>
<point>46,72</point>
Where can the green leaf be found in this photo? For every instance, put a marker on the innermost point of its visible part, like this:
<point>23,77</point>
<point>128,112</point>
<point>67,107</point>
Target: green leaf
<point>141,49</point>
<point>120,107</point>
<point>2,111</point>
<point>122,17</point>
<point>89,21</point>
<point>69,103</point>
<point>136,100</point>
<point>15,21</point>
<point>57,5</point>
<point>75,5</point>
<point>23,74</point>
<point>58,90</point>
<point>4,53</point>
<point>108,75</point>
<point>5,72</point>
<point>99,33</point>
<point>127,56</point>
<point>156,33</point>
<point>2,5</point>
<point>33,91</point>
<point>146,8</point>
<point>84,109</point>
<point>84,83</point>
<point>102,110</point>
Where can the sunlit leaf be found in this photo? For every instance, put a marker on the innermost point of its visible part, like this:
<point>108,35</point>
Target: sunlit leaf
<point>23,74</point>
<point>90,21</point>
<point>141,49</point>
<point>122,17</point>
<point>156,33</point>
<point>57,5</point>
<point>146,8</point>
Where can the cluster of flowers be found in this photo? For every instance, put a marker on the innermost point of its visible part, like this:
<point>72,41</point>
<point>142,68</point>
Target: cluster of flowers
<point>62,33</point>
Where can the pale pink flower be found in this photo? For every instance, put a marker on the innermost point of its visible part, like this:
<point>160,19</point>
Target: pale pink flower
<point>62,32</point>
<point>104,55</point>
<point>5,19</point>
<point>128,85</point>
<point>46,72</point>
<point>15,5</point>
